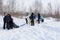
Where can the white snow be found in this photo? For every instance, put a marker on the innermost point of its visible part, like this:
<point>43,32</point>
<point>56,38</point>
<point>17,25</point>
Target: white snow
<point>48,30</point>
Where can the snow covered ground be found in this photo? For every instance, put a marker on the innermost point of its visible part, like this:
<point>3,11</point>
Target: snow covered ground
<point>49,30</point>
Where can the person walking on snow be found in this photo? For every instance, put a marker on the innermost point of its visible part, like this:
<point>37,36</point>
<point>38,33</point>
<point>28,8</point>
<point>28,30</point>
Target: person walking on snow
<point>32,17</point>
<point>39,17</point>
<point>26,20</point>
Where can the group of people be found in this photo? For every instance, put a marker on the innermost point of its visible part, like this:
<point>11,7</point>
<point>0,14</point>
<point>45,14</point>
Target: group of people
<point>8,22</point>
<point>32,17</point>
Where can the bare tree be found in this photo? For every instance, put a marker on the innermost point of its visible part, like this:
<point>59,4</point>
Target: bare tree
<point>38,5</point>
<point>10,6</point>
<point>50,7</point>
<point>1,11</point>
<point>30,10</point>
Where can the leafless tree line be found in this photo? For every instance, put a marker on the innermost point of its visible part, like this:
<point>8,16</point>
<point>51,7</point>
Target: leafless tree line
<point>10,8</point>
<point>50,12</point>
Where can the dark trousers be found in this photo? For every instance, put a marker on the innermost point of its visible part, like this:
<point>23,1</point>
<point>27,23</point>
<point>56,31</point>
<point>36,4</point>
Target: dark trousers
<point>4,25</point>
<point>42,20</point>
<point>32,23</point>
<point>9,26</point>
<point>26,21</point>
<point>38,20</point>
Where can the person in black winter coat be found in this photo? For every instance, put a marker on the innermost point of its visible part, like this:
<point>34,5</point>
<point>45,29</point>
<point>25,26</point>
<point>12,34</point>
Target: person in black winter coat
<point>10,23</point>
<point>39,17</point>
<point>6,20</point>
<point>7,23</point>
<point>32,17</point>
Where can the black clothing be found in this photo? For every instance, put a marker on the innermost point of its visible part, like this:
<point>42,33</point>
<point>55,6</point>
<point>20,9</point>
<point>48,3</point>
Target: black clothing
<point>26,20</point>
<point>32,17</point>
<point>8,22</point>
<point>39,17</point>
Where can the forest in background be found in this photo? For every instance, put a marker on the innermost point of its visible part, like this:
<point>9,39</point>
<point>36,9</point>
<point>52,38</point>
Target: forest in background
<point>49,8</point>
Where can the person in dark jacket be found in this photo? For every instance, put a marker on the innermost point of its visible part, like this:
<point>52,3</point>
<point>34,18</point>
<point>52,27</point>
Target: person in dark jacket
<point>8,22</point>
<point>32,17</point>
<point>26,20</point>
<point>39,17</point>
<point>12,24</point>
